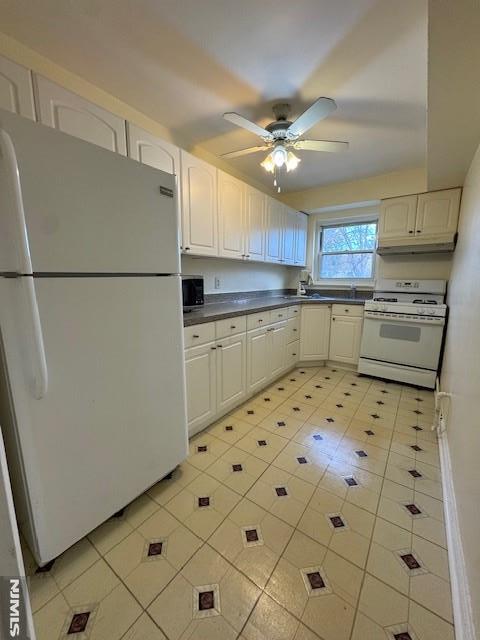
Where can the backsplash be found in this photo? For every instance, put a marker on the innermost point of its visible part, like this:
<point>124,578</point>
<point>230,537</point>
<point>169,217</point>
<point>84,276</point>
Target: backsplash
<point>235,275</point>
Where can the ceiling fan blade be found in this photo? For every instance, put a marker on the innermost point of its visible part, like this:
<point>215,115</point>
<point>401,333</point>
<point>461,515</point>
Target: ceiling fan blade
<point>244,152</point>
<point>320,145</point>
<point>320,109</point>
<point>240,121</point>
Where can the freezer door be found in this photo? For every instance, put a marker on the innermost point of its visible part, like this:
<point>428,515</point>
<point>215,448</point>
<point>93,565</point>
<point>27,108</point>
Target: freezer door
<point>112,421</point>
<point>87,210</point>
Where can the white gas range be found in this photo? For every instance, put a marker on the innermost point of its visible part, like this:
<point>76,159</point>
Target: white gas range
<point>403,331</point>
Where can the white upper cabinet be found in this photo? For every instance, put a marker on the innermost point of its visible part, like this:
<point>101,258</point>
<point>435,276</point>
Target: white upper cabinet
<point>67,112</point>
<point>155,152</point>
<point>301,239</point>
<point>231,217</point>
<point>437,212</point>
<point>427,218</point>
<point>199,206</point>
<point>254,224</point>
<point>16,91</point>
<point>397,217</point>
<point>288,236</point>
<point>274,230</point>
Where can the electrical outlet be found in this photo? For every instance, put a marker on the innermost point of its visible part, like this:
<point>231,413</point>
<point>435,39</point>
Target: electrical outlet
<point>217,283</point>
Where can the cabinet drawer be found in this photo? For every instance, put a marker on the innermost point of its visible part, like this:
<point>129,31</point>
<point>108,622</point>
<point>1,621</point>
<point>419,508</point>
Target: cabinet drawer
<point>293,329</point>
<point>230,326</point>
<point>199,334</point>
<point>256,320</point>
<point>347,310</point>
<point>277,315</point>
<point>293,312</point>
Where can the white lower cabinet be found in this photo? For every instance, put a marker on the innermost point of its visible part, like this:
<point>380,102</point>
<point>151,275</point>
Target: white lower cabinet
<point>229,360</point>
<point>257,359</point>
<point>345,338</point>
<point>315,332</point>
<point>231,371</point>
<point>277,348</point>
<point>201,383</point>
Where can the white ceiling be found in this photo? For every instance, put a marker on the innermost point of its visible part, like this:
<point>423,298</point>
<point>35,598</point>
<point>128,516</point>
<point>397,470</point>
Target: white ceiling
<point>185,62</point>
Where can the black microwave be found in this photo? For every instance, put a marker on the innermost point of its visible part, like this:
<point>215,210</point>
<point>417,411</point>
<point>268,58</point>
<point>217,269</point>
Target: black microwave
<point>192,290</point>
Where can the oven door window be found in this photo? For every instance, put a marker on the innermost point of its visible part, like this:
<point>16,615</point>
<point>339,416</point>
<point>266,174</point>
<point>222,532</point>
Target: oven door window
<point>400,332</point>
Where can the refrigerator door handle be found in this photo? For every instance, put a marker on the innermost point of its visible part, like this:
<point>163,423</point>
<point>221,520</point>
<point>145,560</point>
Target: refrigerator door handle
<point>8,152</point>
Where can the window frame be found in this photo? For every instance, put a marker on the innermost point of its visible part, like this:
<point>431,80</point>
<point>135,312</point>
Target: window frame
<point>322,224</point>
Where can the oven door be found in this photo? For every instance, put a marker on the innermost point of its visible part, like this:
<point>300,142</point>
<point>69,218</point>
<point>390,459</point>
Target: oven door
<point>402,341</point>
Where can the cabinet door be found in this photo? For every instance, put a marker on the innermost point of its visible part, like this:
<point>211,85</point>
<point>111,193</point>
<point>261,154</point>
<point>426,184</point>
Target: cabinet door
<point>16,91</point>
<point>258,369</point>
<point>397,217</point>
<point>437,212</point>
<point>274,227</point>
<point>200,373</point>
<point>254,224</point>
<point>231,371</point>
<point>199,206</point>
<point>231,218</point>
<point>345,337</point>
<point>315,332</point>
<point>277,348</point>
<point>301,239</point>
<point>67,112</point>
<point>157,153</point>
<point>289,232</point>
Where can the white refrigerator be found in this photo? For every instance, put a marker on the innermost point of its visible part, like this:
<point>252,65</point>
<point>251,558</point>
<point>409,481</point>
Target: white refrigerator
<point>92,392</point>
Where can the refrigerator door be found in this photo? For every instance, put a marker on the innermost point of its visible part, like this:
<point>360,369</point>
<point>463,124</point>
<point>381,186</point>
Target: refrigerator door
<point>112,421</point>
<point>87,210</point>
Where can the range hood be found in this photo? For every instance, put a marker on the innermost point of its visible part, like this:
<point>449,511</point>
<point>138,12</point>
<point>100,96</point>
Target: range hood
<point>408,246</point>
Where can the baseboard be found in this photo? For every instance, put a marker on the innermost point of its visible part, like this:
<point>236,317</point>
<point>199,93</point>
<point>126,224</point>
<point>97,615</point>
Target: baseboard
<point>462,604</point>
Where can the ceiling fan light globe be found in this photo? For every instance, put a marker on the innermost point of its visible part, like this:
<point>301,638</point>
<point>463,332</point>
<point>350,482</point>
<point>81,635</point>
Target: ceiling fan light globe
<point>279,155</point>
<point>268,164</point>
<point>292,161</point>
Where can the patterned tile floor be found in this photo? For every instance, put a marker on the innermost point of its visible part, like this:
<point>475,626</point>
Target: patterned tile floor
<point>311,512</point>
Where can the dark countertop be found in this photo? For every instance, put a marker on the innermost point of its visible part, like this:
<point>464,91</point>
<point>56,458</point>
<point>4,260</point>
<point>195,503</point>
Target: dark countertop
<point>212,311</point>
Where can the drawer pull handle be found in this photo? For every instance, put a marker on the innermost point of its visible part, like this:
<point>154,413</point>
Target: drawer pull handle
<point>195,335</point>
<point>219,346</point>
<point>213,348</point>
<point>294,329</point>
<point>260,320</point>
<point>347,310</point>
<point>294,354</point>
<point>232,326</point>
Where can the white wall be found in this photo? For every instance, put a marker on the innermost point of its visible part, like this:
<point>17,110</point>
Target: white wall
<point>235,275</point>
<point>461,377</point>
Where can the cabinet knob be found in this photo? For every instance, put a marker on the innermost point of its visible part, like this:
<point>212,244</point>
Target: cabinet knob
<point>219,346</point>
<point>232,326</point>
<point>195,336</point>
<point>419,231</point>
<point>411,231</point>
<point>347,310</point>
<point>333,319</point>
<point>248,255</point>
<point>187,248</point>
<point>213,348</point>
<point>243,255</point>
<point>294,329</point>
<point>294,354</point>
<point>260,320</point>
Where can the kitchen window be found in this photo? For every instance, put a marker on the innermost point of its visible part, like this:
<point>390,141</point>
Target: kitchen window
<point>346,252</point>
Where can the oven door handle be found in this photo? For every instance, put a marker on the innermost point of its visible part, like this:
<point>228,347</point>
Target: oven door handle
<point>375,315</point>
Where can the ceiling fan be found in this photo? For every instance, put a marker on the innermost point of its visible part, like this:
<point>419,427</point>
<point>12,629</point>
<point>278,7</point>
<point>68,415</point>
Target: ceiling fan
<point>282,136</point>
